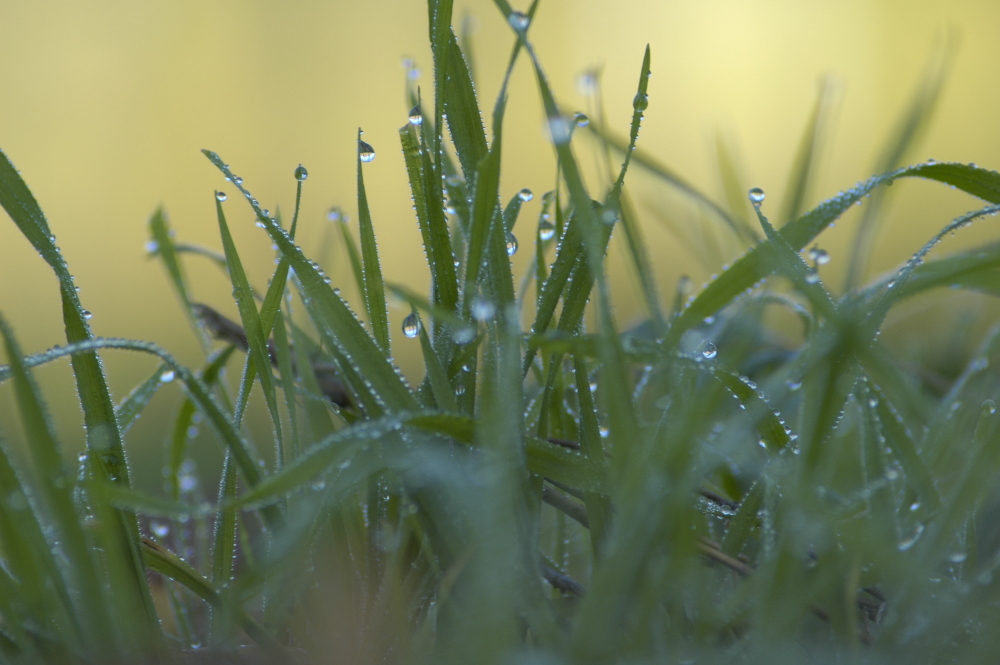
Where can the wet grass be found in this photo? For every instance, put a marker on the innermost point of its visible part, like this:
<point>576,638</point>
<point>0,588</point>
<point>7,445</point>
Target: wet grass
<point>695,489</point>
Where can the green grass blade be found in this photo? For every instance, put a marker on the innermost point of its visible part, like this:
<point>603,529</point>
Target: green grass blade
<point>170,565</point>
<point>256,340</point>
<point>374,293</point>
<point>160,232</point>
<point>53,490</point>
<point>131,407</point>
<point>804,166</point>
<point>910,127</point>
<point>734,188</point>
<point>334,319</point>
<point>441,38</point>
<point>755,264</point>
<point>444,394</point>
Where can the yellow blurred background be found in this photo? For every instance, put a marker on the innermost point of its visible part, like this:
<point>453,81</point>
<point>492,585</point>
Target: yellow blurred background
<point>106,105</point>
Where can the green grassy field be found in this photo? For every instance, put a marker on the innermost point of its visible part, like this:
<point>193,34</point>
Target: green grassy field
<point>696,489</point>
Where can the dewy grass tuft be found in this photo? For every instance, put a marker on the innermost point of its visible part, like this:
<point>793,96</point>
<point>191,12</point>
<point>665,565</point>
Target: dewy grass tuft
<point>693,489</point>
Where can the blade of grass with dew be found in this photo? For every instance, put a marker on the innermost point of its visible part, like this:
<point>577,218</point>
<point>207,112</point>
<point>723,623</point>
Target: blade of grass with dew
<point>286,369</point>
<point>599,510</point>
<point>179,436</point>
<point>432,223</point>
<point>745,520</point>
<point>103,436</point>
<point>441,38</point>
<point>170,565</point>
<point>131,407</point>
<point>734,189</point>
<point>251,323</point>
<point>41,585</point>
<point>914,122</point>
<point>444,395</point>
<point>804,166</point>
<point>354,256</point>
<point>755,265</point>
<point>53,492</point>
<point>197,391</point>
<point>643,268</point>
<point>374,293</point>
<point>334,319</point>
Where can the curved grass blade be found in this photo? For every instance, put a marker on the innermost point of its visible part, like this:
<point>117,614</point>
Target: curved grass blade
<point>756,265</point>
<point>911,126</point>
<point>444,394</point>
<point>167,563</point>
<point>103,436</point>
<point>251,322</point>
<point>131,407</point>
<point>334,319</point>
<point>804,166</point>
<point>374,291</point>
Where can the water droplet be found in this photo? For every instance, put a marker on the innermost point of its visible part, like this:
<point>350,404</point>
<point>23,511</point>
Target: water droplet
<point>87,314</point>
<point>318,485</point>
<point>511,244</point>
<point>525,195</point>
<point>873,402</point>
<point>167,376</point>
<point>460,389</point>
<point>334,215</point>
<point>519,21</point>
<point>416,117</point>
<point>239,180</point>
<point>482,309</point>
<point>220,196</point>
<point>756,195</point>
<point>464,335</point>
<point>762,443</point>
<point>812,277</point>
<point>546,230</point>
<point>301,173</point>
<point>640,102</point>
<point>793,384</point>
<point>159,529</point>
<point>912,539</point>
<point>819,256</point>
<point>958,557</point>
<point>365,151</point>
<point>604,431</point>
<point>709,350</point>
<point>989,407</point>
<point>891,474</point>
<point>152,246</point>
<point>82,457</point>
<point>411,325</point>
<point>581,120</point>
<point>586,83</point>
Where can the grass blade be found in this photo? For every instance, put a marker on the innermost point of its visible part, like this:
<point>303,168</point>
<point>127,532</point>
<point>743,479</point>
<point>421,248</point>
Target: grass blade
<point>374,290</point>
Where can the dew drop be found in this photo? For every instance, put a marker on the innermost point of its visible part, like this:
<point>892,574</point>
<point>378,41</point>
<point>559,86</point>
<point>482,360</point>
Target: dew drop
<point>640,102</point>
<point>220,196</point>
<point>525,195</point>
<point>709,350</point>
<point>912,539</point>
<point>464,335</point>
<point>152,246</point>
<point>416,117</point>
<point>820,256</point>
<point>958,557</point>
<point>812,277</point>
<point>159,529</point>
<point>581,120</point>
<point>756,195</point>
<point>546,230</point>
<point>519,20</point>
<point>460,389</point>
<point>561,129</point>
<point>301,173</point>
<point>334,215</point>
<point>167,376</point>
<point>411,325</point>
<point>482,309</point>
<point>87,314</point>
<point>365,151</point>
<point>604,431</point>
<point>511,244</point>
<point>793,384</point>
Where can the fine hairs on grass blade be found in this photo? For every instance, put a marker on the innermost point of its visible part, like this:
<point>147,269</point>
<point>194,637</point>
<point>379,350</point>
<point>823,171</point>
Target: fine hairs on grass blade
<point>374,290</point>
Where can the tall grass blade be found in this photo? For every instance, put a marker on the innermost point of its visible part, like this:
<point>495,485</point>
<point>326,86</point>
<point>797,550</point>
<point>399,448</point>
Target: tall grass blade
<point>804,166</point>
<point>374,293</point>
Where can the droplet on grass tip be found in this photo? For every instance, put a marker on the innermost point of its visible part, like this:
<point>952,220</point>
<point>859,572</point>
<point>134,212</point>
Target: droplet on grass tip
<point>525,195</point>
<point>519,20</point>
<point>167,376</point>
<point>220,196</point>
<point>152,246</point>
<point>581,120</point>
<point>365,151</point>
<point>709,351</point>
<point>416,117</point>
<point>411,325</point>
<point>334,215</point>
<point>640,102</point>
<point>301,173</point>
<point>511,244</point>
<point>546,230</point>
<point>756,195</point>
